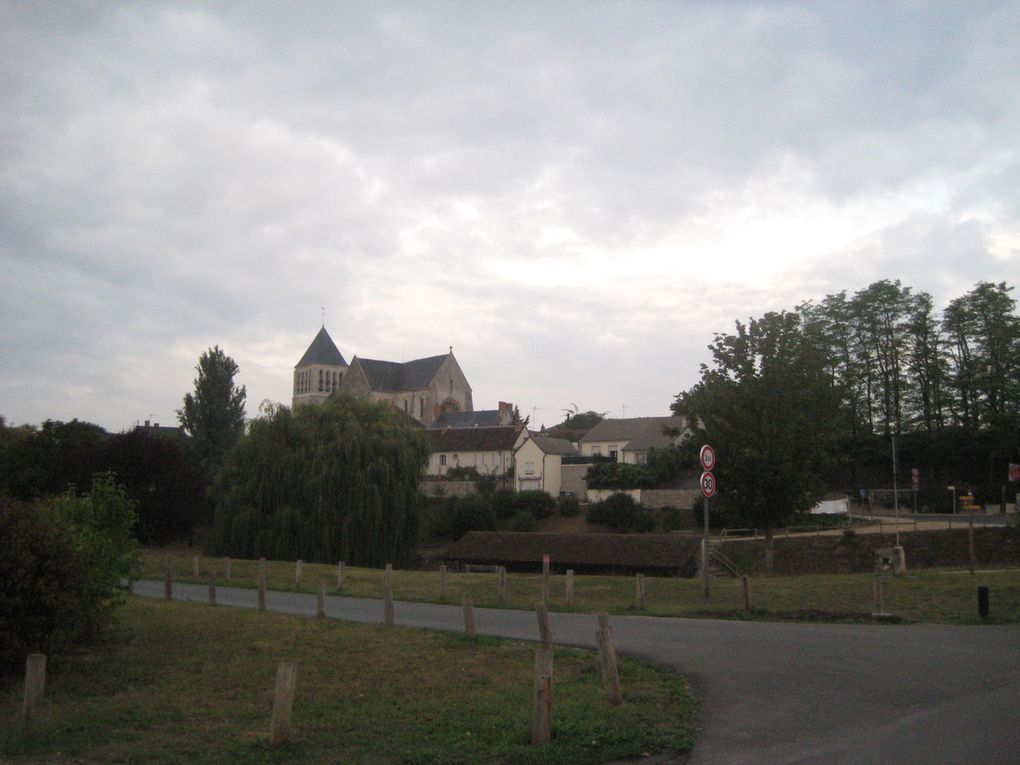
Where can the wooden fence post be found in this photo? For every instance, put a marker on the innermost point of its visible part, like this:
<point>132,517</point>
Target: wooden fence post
<point>501,585</point>
<point>971,552</point>
<point>570,587</point>
<point>35,686</point>
<point>212,588</point>
<point>283,702</point>
<point>262,567</point>
<point>226,569</point>
<point>320,600</point>
<point>262,591</point>
<point>196,567</point>
<point>544,627</point>
<point>442,583</point>
<point>388,617</point>
<point>340,575</point>
<point>168,582</point>
<point>607,661</point>
<point>298,565</point>
<point>545,578</point>
<point>541,717</point>
<point>469,615</point>
<point>745,582</point>
<point>639,592</point>
<point>879,599</point>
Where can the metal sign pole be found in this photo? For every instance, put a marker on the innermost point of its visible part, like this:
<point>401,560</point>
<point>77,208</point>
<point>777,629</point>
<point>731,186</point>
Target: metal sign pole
<point>704,552</point>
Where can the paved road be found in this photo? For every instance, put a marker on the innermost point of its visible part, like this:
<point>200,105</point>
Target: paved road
<point>778,693</point>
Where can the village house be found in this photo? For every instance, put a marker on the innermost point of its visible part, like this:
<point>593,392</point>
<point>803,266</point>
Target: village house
<point>630,440</point>
<point>490,451</point>
<point>539,463</point>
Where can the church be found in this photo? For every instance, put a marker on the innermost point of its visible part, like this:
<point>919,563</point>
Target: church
<point>424,389</point>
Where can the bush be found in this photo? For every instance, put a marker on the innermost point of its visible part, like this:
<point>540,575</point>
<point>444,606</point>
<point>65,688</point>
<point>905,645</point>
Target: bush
<point>568,506</point>
<point>61,564</point>
<point>508,503</point>
<point>670,518</point>
<point>471,513</point>
<point>621,512</point>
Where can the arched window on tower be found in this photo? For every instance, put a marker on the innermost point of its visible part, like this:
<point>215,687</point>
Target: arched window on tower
<point>320,381</point>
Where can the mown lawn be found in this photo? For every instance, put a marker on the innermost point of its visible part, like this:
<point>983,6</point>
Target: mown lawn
<point>942,596</point>
<point>179,682</point>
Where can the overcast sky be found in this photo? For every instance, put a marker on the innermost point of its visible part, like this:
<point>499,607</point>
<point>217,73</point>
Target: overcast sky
<point>574,196</point>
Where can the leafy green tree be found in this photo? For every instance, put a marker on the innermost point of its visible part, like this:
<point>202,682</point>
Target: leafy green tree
<point>324,483</point>
<point>214,414</point>
<point>771,410</point>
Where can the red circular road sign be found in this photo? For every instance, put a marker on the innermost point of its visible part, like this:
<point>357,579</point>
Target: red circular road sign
<point>707,484</point>
<point>707,456</point>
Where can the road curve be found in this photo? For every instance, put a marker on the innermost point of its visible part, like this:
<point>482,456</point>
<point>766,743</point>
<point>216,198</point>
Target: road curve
<point>776,692</point>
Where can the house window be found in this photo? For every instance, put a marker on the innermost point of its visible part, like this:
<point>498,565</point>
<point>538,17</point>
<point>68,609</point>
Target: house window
<point>612,453</point>
<point>479,459</point>
<point>596,451</point>
<point>421,409</point>
<point>642,458</point>
<point>405,406</point>
<point>497,459</point>
<point>442,460</point>
<point>529,468</point>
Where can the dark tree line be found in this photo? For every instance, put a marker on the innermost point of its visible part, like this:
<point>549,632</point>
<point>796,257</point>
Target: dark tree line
<point>156,470</point>
<point>903,367</point>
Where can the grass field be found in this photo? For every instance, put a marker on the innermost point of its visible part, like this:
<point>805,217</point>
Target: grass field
<point>927,595</point>
<point>179,682</point>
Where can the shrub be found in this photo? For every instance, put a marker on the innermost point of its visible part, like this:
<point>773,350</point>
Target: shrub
<point>471,513</point>
<point>670,518</point>
<point>508,503</point>
<point>568,506</point>
<point>620,511</point>
<point>60,569</point>
<point>522,521</point>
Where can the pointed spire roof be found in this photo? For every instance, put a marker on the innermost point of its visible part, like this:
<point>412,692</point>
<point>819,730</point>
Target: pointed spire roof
<point>322,351</point>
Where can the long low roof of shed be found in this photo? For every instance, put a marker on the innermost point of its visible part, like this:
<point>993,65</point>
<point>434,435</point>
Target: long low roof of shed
<point>636,550</point>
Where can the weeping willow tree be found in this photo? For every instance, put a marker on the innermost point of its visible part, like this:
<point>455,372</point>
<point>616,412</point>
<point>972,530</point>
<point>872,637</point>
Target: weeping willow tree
<point>323,483</point>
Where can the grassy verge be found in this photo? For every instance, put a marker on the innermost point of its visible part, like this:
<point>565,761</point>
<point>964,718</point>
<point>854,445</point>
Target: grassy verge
<point>938,596</point>
<point>178,682</point>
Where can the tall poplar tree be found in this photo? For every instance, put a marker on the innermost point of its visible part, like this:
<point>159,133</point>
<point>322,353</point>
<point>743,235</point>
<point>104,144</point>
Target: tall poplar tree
<point>214,414</point>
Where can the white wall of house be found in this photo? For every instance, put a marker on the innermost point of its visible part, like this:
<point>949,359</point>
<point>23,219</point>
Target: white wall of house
<point>485,462</point>
<point>603,449</point>
<point>537,470</point>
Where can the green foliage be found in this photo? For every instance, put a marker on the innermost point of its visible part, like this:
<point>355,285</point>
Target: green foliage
<point>621,512</point>
<point>508,503</point>
<point>670,518</point>
<point>44,461</point>
<point>214,414</point>
<point>61,563</point>
<point>332,482</point>
<point>770,409</point>
<point>462,473</point>
<point>471,513</point>
<point>522,521</point>
<point>568,506</point>
<point>165,483</point>
<point>619,475</point>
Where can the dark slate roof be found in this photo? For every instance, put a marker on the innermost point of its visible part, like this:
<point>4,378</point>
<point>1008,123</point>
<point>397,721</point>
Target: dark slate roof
<point>473,439</point>
<point>553,445</point>
<point>322,351</point>
<point>391,376</point>
<point>483,418</point>
<point>633,550</point>
<point>644,432</point>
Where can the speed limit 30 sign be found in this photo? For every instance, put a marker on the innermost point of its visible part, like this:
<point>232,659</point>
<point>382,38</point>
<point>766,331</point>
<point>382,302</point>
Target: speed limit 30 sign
<point>707,484</point>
